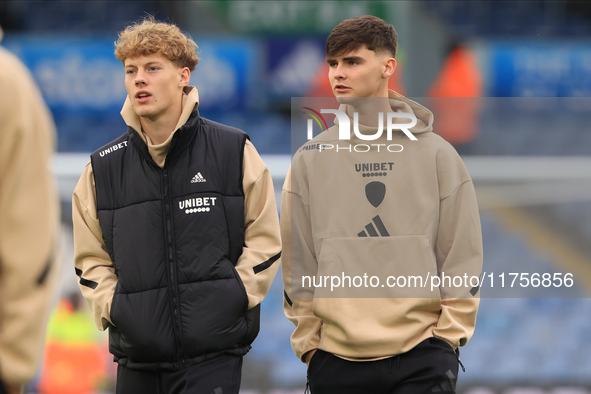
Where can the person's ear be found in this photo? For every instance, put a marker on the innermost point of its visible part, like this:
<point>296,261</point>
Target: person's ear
<point>184,77</point>
<point>389,67</point>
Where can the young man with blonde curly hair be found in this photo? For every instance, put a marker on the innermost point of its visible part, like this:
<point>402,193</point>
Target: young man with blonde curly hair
<point>176,229</point>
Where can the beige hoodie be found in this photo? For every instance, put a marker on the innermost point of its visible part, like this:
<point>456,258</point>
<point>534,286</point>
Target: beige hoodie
<point>422,220</point>
<point>29,222</point>
<point>262,238</point>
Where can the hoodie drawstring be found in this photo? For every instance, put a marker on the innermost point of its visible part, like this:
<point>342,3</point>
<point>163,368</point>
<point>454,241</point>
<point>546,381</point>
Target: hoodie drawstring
<point>397,362</point>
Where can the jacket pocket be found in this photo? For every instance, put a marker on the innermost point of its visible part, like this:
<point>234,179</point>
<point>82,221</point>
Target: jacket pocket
<point>144,326</point>
<point>113,305</point>
<point>376,267</point>
<point>252,316</point>
<point>241,286</point>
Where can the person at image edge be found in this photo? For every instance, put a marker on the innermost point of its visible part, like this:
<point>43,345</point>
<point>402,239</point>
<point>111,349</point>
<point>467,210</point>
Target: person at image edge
<point>29,224</point>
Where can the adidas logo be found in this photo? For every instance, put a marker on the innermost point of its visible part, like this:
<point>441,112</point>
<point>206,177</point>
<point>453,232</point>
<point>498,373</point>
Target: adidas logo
<point>198,178</point>
<point>375,193</point>
<point>371,230</point>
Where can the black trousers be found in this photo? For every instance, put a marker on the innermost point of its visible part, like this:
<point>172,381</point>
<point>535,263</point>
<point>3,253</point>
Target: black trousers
<point>431,366</point>
<point>220,375</point>
<point>3,388</point>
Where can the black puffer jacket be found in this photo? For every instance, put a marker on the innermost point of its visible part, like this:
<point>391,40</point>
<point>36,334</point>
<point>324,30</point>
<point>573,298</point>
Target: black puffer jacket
<point>174,235</point>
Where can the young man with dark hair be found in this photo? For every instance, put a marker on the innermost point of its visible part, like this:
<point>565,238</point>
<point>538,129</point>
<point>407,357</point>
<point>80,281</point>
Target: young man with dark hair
<point>176,229</point>
<point>423,220</point>
<point>369,31</point>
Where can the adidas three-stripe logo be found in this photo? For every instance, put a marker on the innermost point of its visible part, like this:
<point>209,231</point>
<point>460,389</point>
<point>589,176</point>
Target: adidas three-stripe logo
<point>371,230</point>
<point>198,178</point>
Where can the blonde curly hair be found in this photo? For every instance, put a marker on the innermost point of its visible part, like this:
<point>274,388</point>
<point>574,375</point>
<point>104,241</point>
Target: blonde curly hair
<point>149,36</point>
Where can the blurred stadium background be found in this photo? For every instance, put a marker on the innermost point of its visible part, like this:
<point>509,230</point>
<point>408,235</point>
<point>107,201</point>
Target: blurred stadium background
<point>523,130</point>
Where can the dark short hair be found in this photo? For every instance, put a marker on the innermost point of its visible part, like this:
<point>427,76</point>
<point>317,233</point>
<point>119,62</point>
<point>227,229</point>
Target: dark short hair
<point>368,30</point>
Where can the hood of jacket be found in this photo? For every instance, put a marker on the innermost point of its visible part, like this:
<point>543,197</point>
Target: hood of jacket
<point>399,104</point>
<point>159,151</point>
<point>189,103</point>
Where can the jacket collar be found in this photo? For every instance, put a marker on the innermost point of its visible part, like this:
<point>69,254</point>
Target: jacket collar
<point>190,103</point>
<point>183,133</point>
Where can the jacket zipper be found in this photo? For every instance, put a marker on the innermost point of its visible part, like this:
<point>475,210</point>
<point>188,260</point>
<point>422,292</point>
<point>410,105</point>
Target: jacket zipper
<point>171,258</point>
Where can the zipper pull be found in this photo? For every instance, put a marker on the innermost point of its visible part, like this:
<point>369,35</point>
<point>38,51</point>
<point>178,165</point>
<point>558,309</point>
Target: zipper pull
<point>460,361</point>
